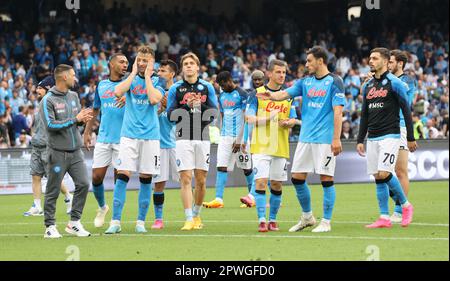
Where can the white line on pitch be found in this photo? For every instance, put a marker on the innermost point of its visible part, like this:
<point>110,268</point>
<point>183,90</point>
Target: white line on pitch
<point>245,236</point>
<point>241,221</point>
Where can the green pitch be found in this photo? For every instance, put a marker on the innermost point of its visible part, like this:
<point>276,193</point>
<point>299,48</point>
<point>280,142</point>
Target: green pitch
<point>231,233</point>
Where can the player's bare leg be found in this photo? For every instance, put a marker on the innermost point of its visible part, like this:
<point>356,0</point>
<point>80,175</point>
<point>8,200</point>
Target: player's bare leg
<point>199,196</point>
<point>186,198</point>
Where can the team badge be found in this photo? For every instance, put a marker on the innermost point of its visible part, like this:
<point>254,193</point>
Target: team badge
<point>57,169</point>
<point>73,103</point>
<point>384,82</point>
<point>200,87</point>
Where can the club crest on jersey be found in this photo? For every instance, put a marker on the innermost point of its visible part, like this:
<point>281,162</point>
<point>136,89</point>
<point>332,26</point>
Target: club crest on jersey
<point>384,82</point>
<point>327,83</point>
<point>200,87</point>
<point>57,169</point>
<point>73,103</point>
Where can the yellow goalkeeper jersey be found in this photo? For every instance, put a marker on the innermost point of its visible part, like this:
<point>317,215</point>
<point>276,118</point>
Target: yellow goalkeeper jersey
<point>270,138</point>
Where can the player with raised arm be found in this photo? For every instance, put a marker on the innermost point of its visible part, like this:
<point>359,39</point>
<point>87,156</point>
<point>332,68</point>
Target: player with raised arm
<point>383,97</point>
<point>167,71</point>
<point>232,104</point>
<point>139,141</point>
<point>319,142</point>
<point>106,149</point>
<point>270,144</point>
<point>397,62</point>
<point>192,104</point>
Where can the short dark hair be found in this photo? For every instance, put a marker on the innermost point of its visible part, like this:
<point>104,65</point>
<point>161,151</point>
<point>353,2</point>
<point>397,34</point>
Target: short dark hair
<point>276,62</point>
<point>224,76</point>
<point>400,56</point>
<point>171,64</point>
<point>319,53</point>
<point>112,57</point>
<point>384,52</point>
<point>59,69</point>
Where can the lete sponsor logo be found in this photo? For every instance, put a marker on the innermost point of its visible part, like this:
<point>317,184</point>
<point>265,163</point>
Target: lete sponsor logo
<point>377,93</point>
<point>313,92</point>
<point>274,106</point>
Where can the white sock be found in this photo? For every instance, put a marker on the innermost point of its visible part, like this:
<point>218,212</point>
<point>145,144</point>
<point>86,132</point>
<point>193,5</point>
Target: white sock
<point>140,223</point>
<point>37,203</point>
<point>251,196</point>
<point>386,217</point>
<point>260,220</point>
<point>406,204</point>
<point>307,215</point>
<point>219,199</point>
<point>74,222</point>
<point>326,221</point>
<point>196,210</point>
<point>188,214</point>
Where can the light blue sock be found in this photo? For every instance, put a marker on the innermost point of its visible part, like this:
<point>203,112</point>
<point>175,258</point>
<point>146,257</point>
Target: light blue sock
<point>119,198</point>
<point>260,198</point>
<point>99,193</point>
<point>250,181</point>
<point>329,197</point>
<point>398,206</point>
<point>398,209</point>
<point>303,195</point>
<point>158,204</point>
<point>253,188</point>
<point>221,180</point>
<point>275,202</point>
<point>383,197</point>
<point>144,196</point>
<point>394,185</point>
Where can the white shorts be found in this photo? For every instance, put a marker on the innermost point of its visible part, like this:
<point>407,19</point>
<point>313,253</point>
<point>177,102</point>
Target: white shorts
<point>168,166</point>
<point>382,155</point>
<point>314,158</point>
<point>269,167</point>
<point>403,140</point>
<point>105,154</point>
<point>192,155</point>
<point>226,157</point>
<point>142,156</point>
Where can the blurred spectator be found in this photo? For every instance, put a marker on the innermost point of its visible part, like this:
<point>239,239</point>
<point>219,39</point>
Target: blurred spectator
<point>20,122</point>
<point>418,127</point>
<point>4,137</point>
<point>431,132</point>
<point>23,140</point>
<point>347,133</point>
<point>352,83</point>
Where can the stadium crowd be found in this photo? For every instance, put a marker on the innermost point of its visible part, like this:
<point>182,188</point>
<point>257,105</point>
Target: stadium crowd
<point>221,44</point>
